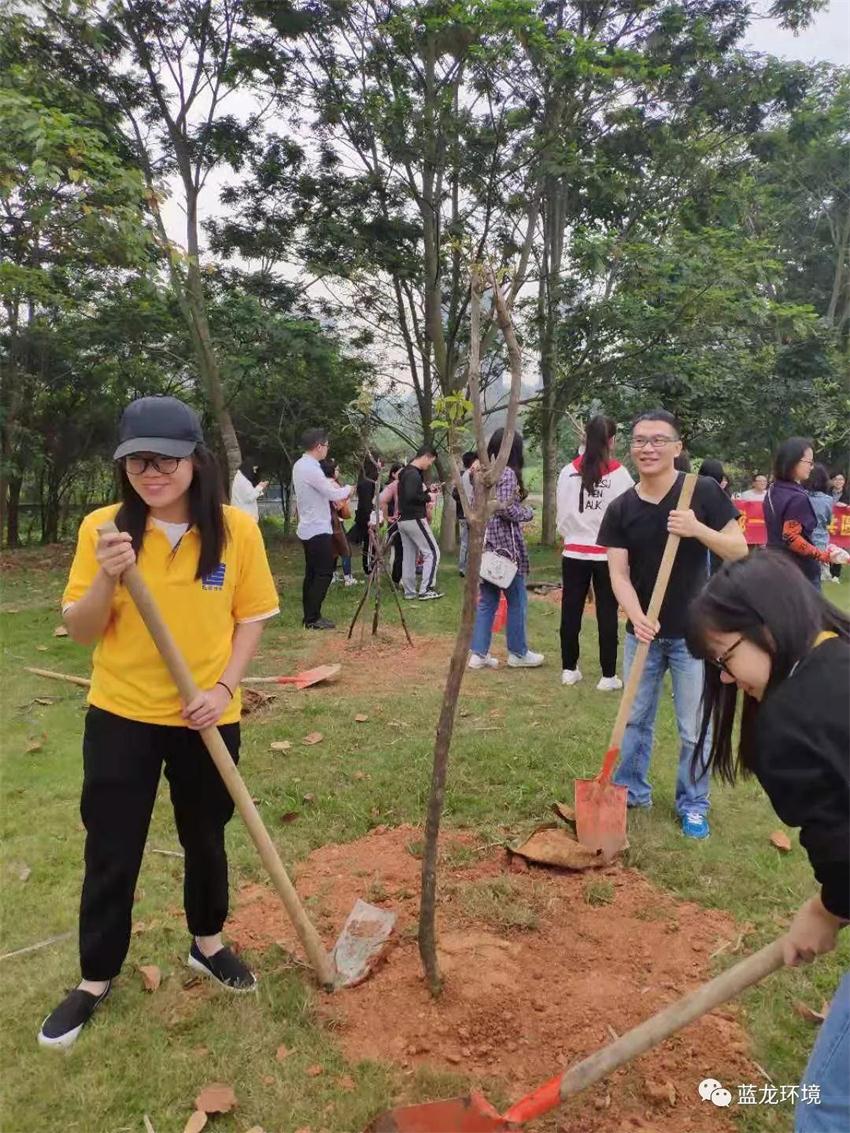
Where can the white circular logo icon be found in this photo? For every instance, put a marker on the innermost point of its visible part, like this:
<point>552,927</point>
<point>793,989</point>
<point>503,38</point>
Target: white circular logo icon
<point>707,1087</point>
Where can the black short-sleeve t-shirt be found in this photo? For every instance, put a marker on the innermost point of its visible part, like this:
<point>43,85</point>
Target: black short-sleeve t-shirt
<point>641,529</point>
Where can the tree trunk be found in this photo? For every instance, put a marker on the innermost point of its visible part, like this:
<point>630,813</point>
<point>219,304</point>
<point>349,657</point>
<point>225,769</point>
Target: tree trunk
<point>549,447</point>
<point>448,522</point>
<point>445,729</point>
<point>207,361</point>
<point>50,521</point>
<point>13,537</point>
<point>287,506</point>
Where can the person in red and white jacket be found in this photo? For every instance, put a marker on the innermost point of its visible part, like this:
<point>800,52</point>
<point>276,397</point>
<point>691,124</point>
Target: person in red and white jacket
<point>586,487</point>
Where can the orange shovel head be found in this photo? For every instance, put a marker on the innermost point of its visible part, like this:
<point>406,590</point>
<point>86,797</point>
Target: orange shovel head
<point>314,676</point>
<point>471,1114</point>
<point>600,808</point>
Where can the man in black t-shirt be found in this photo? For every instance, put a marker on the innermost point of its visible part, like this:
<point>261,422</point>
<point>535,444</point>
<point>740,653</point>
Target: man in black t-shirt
<point>635,530</point>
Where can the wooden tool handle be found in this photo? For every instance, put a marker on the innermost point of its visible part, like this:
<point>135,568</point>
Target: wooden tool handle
<point>655,603</point>
<point>83,682</point>
<point>649,1034</point>
<point>165,643</point>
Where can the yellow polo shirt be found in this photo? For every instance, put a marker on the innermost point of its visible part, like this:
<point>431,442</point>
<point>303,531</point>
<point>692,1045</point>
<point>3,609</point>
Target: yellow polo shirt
<point>129,677</point>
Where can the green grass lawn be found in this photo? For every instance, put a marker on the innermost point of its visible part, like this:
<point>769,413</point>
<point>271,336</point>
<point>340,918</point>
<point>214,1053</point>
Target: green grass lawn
<point>151,1054</point>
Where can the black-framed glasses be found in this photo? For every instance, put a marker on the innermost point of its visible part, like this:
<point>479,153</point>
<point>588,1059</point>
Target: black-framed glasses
<point>722,662</point>
<point>658,441</point>
<point>165,465</point>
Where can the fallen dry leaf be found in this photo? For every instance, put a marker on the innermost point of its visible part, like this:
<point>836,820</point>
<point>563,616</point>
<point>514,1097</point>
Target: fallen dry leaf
<point>346,1082</point>
<point>41,648</point>
<point>313,738</point>
<point>280,745</point>
<point>268,1080</point>
<point>44,700</point>
<point>359,775</point>
<point>289,816</point>
<point>256,1129</point>
<point>309,799</point>
<point>216,1098</point>
<point>151,976</point>
<point>809,1013</point>
<point>282,1052</point>
<point>24,872</point>
<point>781,841</point>
<point>315,1071</point>
<point>196,1122</point>
<point>33,746</point>
<point>360,718</point>
<point>60,631</point>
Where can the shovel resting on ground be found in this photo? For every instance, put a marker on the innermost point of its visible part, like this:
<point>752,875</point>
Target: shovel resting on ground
<point>600,806</point>
<point>368,928</point>
<point>300,680</point>
<point>474,1114</point>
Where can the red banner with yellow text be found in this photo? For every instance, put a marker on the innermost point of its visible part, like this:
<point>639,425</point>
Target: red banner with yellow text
<point>752,523</point>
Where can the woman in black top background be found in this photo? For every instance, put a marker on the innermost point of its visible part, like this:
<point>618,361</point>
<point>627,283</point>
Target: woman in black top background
<point>767,632</point>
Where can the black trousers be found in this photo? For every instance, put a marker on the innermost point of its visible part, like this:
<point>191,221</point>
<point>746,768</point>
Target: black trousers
<point>122,761</point>
<point>318,572</point>
<point>394,544</point>
<point>576,575</point>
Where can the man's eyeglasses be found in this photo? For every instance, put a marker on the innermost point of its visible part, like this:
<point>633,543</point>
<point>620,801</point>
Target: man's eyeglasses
<point>165,465</point>
<point>722,662</point>
<point>656,442</point>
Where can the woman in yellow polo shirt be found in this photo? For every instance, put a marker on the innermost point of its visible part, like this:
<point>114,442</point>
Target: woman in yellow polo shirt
<point>206,567</point>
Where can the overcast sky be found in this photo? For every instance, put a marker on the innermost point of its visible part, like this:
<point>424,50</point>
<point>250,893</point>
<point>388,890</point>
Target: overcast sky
<point>827,40</point>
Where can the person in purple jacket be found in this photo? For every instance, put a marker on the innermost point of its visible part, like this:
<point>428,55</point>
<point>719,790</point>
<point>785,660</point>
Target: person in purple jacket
<point>789,517</point>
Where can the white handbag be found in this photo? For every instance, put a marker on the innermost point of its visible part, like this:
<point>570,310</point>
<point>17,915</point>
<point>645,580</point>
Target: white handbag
<point>498,568</point>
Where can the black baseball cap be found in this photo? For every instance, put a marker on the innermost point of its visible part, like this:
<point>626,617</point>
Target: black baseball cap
<point>162,425</point>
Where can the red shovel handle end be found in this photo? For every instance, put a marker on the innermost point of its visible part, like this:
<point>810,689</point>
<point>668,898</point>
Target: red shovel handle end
<point>608,765</point>
<point>544,1099</point>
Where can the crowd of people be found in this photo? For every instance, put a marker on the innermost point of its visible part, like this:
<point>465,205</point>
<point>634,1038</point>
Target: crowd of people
<point>742,633</point>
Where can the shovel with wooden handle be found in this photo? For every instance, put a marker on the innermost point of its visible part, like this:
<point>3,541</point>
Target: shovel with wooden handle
<point>474,1114</point>
<point>368,927</point>
<point>600,805</point>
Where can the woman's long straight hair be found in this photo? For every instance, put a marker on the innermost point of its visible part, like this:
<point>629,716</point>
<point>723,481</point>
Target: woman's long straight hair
<point>516,457</point>
<point>767,600</point>
<point>598,435</point>
<point>206,500</point>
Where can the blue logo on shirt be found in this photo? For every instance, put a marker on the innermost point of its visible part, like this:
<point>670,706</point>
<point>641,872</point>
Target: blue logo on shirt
<point>215,579</point>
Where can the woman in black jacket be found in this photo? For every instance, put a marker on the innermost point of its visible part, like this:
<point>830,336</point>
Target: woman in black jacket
<point>767,632</point>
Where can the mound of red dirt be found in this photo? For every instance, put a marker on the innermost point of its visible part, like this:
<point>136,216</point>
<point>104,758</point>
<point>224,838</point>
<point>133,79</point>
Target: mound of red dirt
<point>540,970</point>
<point>379,662</point>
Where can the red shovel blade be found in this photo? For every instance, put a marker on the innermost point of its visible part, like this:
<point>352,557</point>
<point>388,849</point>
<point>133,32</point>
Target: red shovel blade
<point>600,808</point>
<point>311,676</point>
<point>471,1114</point>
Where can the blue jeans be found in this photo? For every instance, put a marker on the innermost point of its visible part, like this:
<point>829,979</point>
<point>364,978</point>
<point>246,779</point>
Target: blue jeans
<point>829,1070</point>
<point>488,602</point>
<point>687,675</point>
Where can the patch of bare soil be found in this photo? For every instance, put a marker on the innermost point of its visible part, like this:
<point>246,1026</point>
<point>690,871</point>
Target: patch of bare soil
<point>539,972</point>
<point>384,661</point>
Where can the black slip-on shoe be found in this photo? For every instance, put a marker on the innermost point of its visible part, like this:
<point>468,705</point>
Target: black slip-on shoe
<point>62,1026</point>
<point>225,967</point>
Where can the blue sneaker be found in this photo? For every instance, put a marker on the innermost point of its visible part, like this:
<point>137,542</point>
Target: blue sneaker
<point>695,825</point>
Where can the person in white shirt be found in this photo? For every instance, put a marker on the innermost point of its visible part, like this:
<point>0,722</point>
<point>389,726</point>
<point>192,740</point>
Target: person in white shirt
<point>756,491</point>
<point>313,492</point>
<point>586,487</point>
<point>246,490</point>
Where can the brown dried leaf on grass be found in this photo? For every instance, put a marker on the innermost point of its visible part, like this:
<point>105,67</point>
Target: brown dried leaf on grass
<point>216,1098</point>
<point>288,816</point>
<point>256,1129</point>
<point>360,718</point>
<point>315,1071</point>
<point>809,1013</point>
<point>60,631</point>
<point>282,1052</point>
<point>280,745</point>
<point>313,738</point>
<point>781,841</point>
<point>34,745</point>
<point>151,976</point>
<point>196,1122</point>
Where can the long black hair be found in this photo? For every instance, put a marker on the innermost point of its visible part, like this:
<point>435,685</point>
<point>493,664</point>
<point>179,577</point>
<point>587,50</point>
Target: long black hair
<point>206,501</point>
<point>598,435</point>
<point>516,458</point>
<point>767,600</point>
<point>250,470</point>
<point>788,456</point>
